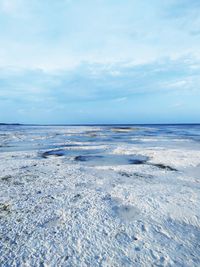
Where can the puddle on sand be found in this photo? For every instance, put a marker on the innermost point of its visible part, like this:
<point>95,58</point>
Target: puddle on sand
<point>70,152</point>
<point>96,157</point>
<point>111,159</point>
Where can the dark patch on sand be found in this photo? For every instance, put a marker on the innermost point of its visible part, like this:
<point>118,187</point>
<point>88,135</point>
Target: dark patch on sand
<point>87,158</point>
<point>125,174</point>
<point>6,178</point>
<point>137,161</point>
<point>123,129</point>
<point>76,197</point>
<point>164,167</point>
<point>4,209</point>
<point>56,153</point>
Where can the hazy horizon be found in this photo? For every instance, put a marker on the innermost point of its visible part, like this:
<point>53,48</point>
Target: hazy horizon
<point>99,124</point>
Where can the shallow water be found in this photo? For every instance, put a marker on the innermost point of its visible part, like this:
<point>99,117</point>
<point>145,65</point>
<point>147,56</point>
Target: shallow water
<point>97,145</point>
<point>23,138</point>
<point>111,159</point>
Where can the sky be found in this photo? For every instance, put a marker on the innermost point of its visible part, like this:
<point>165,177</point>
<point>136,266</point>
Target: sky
<point>99,61</point>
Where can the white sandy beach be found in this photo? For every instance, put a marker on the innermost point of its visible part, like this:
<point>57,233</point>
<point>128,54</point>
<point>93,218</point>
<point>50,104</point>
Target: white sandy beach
<point>55,211</point>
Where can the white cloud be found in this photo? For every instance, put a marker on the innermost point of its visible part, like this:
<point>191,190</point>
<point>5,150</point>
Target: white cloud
<point>91,90</point>
<point>62,34</point>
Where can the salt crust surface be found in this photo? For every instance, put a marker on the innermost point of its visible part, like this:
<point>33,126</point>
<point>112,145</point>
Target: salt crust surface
<point>54,212</point>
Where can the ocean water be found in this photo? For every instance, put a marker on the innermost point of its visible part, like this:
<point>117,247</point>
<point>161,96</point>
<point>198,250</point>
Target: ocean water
<point>95,144</point>
<point>32,136</point>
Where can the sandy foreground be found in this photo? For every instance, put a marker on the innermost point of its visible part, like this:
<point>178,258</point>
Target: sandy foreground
<point>58,212</point>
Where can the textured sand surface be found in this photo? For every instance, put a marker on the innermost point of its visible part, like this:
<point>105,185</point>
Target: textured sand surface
<point>58,211</point>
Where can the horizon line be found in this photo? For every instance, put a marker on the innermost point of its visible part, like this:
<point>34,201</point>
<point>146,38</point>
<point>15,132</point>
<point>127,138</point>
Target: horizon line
<point>96,124</point>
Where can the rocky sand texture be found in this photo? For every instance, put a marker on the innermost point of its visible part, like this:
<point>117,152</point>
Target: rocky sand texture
<point>59,211</point>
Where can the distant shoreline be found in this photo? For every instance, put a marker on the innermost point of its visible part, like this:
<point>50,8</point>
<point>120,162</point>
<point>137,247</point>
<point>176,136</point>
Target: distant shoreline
<point>106,124</point>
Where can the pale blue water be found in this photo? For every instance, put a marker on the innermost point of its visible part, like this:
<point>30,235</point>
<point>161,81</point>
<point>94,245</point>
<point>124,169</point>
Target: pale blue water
<point>96,141</point>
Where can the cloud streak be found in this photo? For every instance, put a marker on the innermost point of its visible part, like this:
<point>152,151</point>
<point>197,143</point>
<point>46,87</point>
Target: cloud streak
<point>62,34</point>
<point>90,60</point>
<point>91,85</point>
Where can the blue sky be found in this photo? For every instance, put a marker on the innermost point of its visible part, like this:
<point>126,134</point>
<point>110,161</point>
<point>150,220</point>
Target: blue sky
<point>99,61</point>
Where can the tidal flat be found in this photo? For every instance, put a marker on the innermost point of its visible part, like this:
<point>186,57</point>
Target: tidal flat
<point>100,195</point>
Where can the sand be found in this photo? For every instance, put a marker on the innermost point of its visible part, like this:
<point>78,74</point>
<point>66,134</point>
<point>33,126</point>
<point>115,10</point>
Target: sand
<point>58,211</point>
